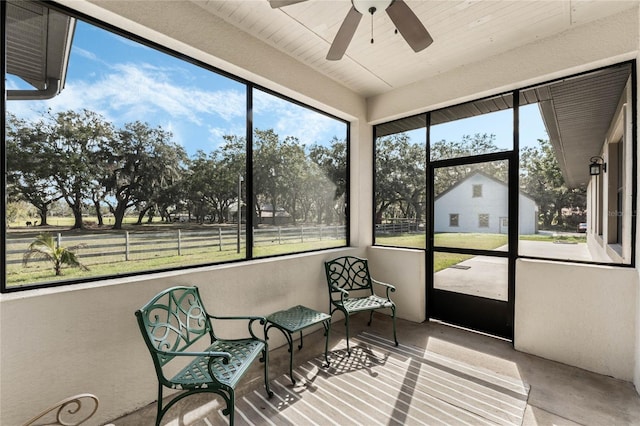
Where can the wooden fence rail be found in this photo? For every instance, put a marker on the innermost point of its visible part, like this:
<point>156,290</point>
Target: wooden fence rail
<point>115,247</point>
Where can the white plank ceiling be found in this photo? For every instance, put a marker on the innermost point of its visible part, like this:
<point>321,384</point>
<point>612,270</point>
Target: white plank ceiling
<point>464,31</point>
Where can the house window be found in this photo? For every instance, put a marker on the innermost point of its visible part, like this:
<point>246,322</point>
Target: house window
<point>453,219</point>
<point>483,220</point>
<point>477,191</point>
<point>161,181</point>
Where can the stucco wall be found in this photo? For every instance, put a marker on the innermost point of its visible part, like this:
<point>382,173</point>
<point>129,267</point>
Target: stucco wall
<point>59,342</point>
<point>405,269</point>
<point>581,315</point>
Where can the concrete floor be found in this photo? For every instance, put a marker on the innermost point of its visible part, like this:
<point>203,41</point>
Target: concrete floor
<point>559,394</point>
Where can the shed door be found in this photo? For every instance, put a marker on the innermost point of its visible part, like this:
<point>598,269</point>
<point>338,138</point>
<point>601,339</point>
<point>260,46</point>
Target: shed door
<point>504,225</point>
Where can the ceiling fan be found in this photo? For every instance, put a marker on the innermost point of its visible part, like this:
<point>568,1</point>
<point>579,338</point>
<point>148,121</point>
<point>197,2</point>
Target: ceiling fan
<point>406,22</point>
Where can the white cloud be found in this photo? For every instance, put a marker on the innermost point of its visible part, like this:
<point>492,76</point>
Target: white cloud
<point>289,119</point>
<point>217,133</point>
<point>197,115</point>
<point>84,53</point>
<point>129,92</point>
<point>132,92</point>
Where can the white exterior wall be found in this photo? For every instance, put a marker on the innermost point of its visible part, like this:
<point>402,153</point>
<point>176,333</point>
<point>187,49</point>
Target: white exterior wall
<point>603,189</point>
<point>494,202</point>
<point>581,315</point>
<point>528,220</point>
<point>460,200</point>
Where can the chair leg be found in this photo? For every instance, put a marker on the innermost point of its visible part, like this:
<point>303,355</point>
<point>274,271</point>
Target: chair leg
<point>370,318</point>
<point>231,406</point>
<point>346,323</point>
<point>393,316</point>
<point>265,355</point>
<point>159,412</point>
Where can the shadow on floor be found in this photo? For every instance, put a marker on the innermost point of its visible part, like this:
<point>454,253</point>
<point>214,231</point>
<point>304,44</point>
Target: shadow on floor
<point>558,394</point>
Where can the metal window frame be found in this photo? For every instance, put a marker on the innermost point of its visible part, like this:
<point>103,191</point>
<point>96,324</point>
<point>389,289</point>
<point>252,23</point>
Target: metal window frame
<point>249,87</point>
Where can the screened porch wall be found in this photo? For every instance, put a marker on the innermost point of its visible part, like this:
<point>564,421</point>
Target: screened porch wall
<point>60,342</point>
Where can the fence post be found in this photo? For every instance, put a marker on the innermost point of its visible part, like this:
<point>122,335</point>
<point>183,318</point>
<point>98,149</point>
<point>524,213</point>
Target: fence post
<point>58,240</point>
<point>279,235</point>
<point>179,242</point>
<point>320,232</point>
<point>302,234</point>
<point>220,238</point>
<point>126,245</point>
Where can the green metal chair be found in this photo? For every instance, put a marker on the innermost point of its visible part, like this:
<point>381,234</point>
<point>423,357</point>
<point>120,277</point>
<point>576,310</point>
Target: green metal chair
<point>351,274</point>
<point>171,323</point>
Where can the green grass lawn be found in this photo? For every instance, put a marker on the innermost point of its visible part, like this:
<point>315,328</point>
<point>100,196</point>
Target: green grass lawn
<point>460,240</point>
<point>42,272</point>
<point>444,260</point>
<point>478,241</point>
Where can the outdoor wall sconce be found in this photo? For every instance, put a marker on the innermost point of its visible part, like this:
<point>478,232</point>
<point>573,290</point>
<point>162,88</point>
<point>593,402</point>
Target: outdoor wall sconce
<point>597,163</point>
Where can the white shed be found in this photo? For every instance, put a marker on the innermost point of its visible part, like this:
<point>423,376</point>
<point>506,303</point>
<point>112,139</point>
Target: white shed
<point>479,203</point>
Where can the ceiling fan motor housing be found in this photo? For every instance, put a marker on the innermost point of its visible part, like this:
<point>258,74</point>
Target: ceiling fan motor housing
<point>370,6</point>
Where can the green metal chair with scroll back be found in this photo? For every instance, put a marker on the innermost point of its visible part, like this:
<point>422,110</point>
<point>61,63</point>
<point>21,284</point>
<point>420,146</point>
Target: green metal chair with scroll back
<point>351,291</point>
<point>172,323</point>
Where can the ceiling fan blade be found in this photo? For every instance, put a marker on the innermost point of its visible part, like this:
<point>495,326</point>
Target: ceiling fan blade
<point>344,35</point>
<point>276,4</point>
<point>409,25</point>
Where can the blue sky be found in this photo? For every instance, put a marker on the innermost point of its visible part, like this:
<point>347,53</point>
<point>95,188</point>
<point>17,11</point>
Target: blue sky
<point>126,81</point>
<point>498,123</point>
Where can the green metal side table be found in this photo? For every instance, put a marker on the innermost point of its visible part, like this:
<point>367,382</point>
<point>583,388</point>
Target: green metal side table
<point>294,320</point>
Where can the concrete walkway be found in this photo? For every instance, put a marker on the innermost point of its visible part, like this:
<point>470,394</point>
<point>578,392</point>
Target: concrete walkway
<point>556,250</point>
<point>486,276</point>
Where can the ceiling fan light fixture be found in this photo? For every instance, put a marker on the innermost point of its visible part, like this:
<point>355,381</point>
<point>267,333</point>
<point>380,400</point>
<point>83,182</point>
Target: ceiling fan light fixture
<point>365,6</point>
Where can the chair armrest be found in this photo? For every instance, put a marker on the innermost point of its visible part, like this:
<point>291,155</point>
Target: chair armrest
<point>210,354</point>
<point>389,287</point>
<point>242,317</point>
<point>249,318</point>
<point>344,294</point>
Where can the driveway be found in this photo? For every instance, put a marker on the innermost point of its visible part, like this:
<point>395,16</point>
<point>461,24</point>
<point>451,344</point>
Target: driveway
<point>486,276</point>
